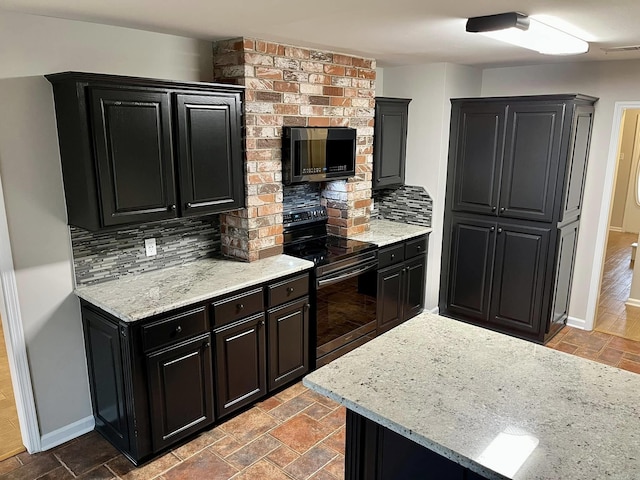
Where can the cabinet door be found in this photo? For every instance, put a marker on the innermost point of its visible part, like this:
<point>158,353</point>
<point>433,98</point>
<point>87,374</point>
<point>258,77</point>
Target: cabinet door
<point>565,260</point>
<point>519,277</point>
<point>209,153</point>
<point>288,342</point>
<point>390,142</point>
<point>240,364</point>
<point>132,134</point>
<point>470,267</point>
<point>106,380</point>
<point>477,157</point>
<point>180,390</point>
<point>531,160</point>
<point>390,297</point>
<point>414,284</point>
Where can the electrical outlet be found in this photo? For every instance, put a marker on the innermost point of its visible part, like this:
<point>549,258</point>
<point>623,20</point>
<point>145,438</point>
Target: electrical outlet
<point>150,246</point>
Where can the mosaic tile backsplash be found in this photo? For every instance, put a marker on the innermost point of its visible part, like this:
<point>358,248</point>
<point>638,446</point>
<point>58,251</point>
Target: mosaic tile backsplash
<point>102,256</point>
<point>407,204</point>
<point>296,197</point>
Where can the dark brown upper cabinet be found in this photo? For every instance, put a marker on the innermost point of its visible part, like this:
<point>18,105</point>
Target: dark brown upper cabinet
<point>519,158</point>
<point>390,142</point>
<point>138,150</point>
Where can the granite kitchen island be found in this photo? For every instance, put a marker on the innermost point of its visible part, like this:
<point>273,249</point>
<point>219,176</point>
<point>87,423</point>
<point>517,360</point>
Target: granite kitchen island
<point>437,398</point>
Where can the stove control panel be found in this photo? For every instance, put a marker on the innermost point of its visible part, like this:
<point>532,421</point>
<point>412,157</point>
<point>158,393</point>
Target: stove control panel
<point>311,215</point>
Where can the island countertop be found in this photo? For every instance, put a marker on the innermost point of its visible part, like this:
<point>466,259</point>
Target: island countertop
<point>385,232</point>
<point>500,406</point>
<point>135,297</point>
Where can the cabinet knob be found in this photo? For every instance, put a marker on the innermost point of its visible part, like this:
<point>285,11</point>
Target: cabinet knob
<point>123,331</point>
<point>499,230</point>
<point>419,247</point>
<point>501,209</point>
<point>261,323</point>
<point>492,229</point>
<point>240,306</point>
<point>172,207</point>
<point>393,255</point>
<point>178,329</point>
<point>494,208</point>
<point>187,205</point>
<point>206,345</point>
<point>307,306</point>
<point>290,289</point>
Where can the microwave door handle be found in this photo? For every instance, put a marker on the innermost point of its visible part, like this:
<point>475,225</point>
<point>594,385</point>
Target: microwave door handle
<point>345,276</point>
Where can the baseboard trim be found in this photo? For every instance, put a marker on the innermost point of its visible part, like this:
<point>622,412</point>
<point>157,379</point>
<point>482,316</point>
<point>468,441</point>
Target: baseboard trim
<point>615,229</point>
<point>68,432</point>
<point>577,323</point>
<point>632,302</point>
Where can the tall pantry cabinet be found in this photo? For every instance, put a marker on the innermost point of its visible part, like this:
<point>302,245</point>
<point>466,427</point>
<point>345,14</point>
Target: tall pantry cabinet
<point>514,197</point>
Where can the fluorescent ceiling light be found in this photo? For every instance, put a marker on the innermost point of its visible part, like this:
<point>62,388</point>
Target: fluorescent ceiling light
<point>518,29</point>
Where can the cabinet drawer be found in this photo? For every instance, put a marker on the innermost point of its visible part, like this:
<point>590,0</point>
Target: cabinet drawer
<point>390,255</point>
<point>175,328</point>
<point>234,308</point>
<point>288,290</point>
<point>415,247</point>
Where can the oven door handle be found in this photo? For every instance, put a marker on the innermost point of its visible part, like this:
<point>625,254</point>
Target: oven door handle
<point>329,280</point>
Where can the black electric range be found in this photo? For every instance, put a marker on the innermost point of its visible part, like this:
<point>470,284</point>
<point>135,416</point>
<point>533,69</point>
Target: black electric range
<point>345,277</point>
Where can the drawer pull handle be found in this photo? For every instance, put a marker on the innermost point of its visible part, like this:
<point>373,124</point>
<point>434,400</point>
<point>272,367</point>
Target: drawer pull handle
<point>178,329</point>
<point>290,289</point>
<point>240,306</point>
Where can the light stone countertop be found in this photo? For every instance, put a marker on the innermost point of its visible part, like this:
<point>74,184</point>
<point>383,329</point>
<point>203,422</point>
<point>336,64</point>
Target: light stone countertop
<point>457,389</point>
<point>385,232</point>
<point>135,297</point>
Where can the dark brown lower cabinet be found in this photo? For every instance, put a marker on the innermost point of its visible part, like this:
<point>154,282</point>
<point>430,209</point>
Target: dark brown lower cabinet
<point>401,282</point>
<point>181,390</point>
<point>241,359</point>
<point>288,342</point>
<point>374,452</point>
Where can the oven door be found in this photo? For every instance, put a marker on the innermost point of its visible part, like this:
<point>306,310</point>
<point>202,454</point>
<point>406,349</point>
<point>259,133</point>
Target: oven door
<point>345,309</point>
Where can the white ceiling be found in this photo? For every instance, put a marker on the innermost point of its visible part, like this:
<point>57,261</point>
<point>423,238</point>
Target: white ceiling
<point>395,32</point>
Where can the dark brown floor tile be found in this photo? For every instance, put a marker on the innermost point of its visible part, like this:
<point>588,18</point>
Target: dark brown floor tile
<point>317,411</point>
<point>629,365</point>
<point>80,457</point>
<point>205,464</point>
<point>291,392</point>
<point>128,471</point>
<point>335,419</point>
<point>262,470</point>
<point>38,465</point>
<point>59,473</point>
<point>566,347</point>
<point>253,452</point>
<point>301,432</point>
<point>249,425</point>
<point>290,408</point>
<point>336,467</point>
<point>310,462</point>
<point>226,446</point>
<point>337,441</point>
<point>610,356</point>
<point>625,345</point>
<point>269,404</point>
<point>198,444</point>
<point>100,473</point>
<point>9,464</point>
<point>283,456</point>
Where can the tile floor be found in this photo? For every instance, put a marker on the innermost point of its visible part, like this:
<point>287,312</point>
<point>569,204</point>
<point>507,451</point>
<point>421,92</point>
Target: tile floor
<point>614,317</point>
<point>10,437</point>
<point>296,434</point>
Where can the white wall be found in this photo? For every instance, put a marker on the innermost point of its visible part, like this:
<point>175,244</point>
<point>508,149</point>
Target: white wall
<point>431,86</point>
<point>611,81</point>
<point>31,46</point>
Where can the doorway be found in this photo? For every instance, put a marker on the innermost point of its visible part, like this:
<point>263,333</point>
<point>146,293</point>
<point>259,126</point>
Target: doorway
<point>613,315</point>
<point>10,435</point>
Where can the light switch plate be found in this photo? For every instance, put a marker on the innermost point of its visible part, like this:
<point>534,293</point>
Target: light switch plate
<point>150,246</point>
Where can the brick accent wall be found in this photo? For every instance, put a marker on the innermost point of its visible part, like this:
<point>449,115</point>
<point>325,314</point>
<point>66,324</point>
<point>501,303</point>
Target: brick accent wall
<point>292,86</point>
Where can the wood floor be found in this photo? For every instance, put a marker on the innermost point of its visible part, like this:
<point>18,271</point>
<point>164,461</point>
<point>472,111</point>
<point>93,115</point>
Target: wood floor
<point>614,317</point>
<point>10,437</point>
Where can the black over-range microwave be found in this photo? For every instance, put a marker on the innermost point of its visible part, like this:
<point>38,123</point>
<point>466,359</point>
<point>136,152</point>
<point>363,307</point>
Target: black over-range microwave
<point>317,154</point>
